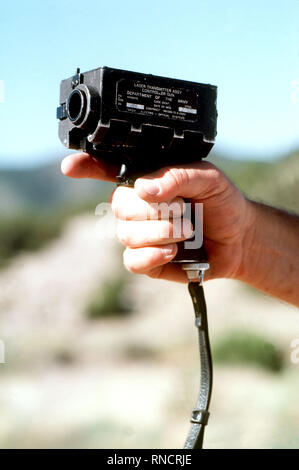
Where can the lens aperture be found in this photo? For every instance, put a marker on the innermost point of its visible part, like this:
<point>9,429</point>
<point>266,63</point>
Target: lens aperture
<point>76,106</point>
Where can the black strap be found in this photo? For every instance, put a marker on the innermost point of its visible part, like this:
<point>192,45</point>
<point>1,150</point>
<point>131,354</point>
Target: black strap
<point>200,413</point>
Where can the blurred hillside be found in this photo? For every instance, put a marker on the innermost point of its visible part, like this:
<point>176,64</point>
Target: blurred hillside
<point>35,204</point>
<point>44,188</point>
<point>275,182</point>
<point>64,368</point>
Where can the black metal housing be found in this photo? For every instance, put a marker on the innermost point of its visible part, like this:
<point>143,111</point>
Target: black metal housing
<point>142,121</point>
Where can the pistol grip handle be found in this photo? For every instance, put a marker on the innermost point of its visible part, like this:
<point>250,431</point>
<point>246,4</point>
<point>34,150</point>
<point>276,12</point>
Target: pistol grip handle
<point>188,254</point>
<point>198,255</point>
<point>184,254</point>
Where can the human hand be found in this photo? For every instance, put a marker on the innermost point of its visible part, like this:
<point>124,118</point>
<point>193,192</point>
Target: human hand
<point>227,216</point>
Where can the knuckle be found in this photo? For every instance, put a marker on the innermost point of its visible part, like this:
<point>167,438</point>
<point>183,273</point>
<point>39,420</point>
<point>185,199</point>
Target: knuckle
<point>216,176</point>
<point>218,182</point>
<point>215,180</point>
<point>177,177</point>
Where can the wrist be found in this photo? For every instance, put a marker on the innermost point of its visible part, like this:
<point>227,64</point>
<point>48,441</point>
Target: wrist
<point>269,257</point>
<point>248,244</point>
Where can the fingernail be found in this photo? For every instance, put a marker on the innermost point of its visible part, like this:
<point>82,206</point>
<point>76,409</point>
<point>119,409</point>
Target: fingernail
<point>151,187</point>
<point>167,250</point>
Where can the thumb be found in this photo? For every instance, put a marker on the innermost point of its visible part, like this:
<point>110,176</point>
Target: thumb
<point>195,181</point>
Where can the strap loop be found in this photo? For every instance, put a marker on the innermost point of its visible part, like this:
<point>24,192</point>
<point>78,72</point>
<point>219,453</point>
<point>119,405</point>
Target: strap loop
<point>200,416</point>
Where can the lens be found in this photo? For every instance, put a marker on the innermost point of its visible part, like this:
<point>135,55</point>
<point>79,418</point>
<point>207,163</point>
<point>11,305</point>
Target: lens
<point>76,106</point>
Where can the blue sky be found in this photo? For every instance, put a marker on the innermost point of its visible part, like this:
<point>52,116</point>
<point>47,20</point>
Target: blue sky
<point>250,50</point>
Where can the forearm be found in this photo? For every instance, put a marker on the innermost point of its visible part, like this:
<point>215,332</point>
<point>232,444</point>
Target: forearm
<point>271,252</point>
<point>244,240</point>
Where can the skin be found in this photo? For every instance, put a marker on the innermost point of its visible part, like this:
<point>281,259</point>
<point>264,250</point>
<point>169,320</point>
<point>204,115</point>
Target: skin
<point>244,240</point>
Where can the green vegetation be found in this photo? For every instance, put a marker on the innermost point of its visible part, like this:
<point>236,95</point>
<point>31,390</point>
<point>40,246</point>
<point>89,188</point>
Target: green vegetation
<point>110,300</point>
<point>26,232</point>
<point>241,347</point>
<point>139,352</point>
<point>35,203</point>
<point>30,230</point>
<point>275,183</point>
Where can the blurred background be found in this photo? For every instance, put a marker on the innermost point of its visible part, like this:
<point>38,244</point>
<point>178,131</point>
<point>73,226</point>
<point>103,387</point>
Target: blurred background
<point>78,329</point>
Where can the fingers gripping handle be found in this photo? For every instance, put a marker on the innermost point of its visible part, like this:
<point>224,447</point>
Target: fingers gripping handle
<point>191,250</point>
<point>191,254</point>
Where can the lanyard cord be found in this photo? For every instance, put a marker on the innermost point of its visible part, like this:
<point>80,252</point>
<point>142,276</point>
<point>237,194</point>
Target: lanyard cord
<point>200,414</point>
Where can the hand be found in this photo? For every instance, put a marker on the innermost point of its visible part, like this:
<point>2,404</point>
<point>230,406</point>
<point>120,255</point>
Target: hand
<point>227,216</point>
